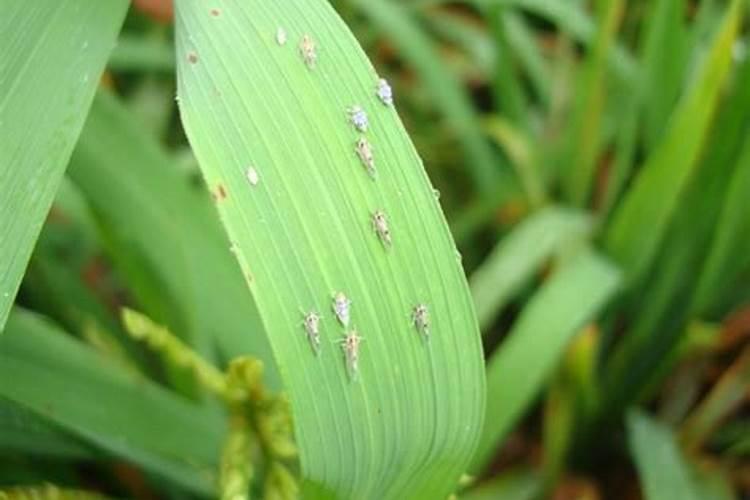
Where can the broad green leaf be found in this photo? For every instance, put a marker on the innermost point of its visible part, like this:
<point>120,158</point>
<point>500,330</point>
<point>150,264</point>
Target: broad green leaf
<point>641,219</point>
<point>53,55</point>
<point>516,371</point>
<point>271,132</point>
<point>520,255</point>
<point>58,378</point>
<point>490,174</point>
<point>662,472</point>
<point>153,212</point>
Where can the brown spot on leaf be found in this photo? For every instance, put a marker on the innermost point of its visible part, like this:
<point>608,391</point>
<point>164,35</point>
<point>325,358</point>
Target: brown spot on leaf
<point>215,12</point>
<point>220,193</point>
<point>192,57</point>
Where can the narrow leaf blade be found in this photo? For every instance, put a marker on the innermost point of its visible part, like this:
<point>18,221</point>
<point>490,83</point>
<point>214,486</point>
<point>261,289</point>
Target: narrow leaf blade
<point>53,55</point>
<point>60,379</point>
<point>515,373</point>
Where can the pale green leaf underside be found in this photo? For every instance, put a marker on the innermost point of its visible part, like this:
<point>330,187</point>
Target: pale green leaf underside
<point>410,421</point>
<point>53,54</point>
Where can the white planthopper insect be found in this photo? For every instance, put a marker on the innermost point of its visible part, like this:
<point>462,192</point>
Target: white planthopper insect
<point>341,308</point>
<point>311,323</point>
<point>252,176</point>
<point>350,345</point>
<point>364,152</point>
<point>384,92</point>
<point>358,118</point>
<point>309,51</point>
<point>380,226</point>
<point>420,316</point>
<point>281,36</point>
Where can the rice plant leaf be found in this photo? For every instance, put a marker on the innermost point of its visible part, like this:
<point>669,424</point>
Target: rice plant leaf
<point>53,54</point>
<point>521,254</point>
<point>51,374</point>
<point>264,89</point>
<point>664,58</point>
<point>642,217</point>
<point>661,468</point>
<point>730,249</point>
<point>137,190</point>
<point>517,370</point>
<point>584,139</point>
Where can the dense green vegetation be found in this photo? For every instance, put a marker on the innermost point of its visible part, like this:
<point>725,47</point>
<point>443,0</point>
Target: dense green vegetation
<point>527,276</point>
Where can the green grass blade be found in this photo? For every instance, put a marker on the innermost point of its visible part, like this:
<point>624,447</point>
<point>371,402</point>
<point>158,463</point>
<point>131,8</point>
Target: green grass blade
<point>662,471</point>
<point>488,170</point>
<point>407,420</point>
<point>664,56</point>
<point>516,372</point>
<point>520,255</point>
<point>58,378</point>
<point>572,18</point>
<point>24,432</point>
<point>730,250</point>
<point>729,393</point>
<point>584,139</point>
<point>134,187</point>
<point>142,53</point>
<point>53,55</point>
<point>509,93</point>
<point>523,42</point>
<point>641,219</point>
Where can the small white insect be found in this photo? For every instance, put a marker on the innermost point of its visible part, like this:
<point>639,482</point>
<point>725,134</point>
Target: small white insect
<point>364,152</point>
<point>311,322</point>
<point>341,305</point>
<point>281,36</point>
<point>358,118</point>
<point>308,50</point>
<point>420,316</point>
<point>350,345</point>
<point>252,176</point>
<point>384,92</point>
<point>380,226</point>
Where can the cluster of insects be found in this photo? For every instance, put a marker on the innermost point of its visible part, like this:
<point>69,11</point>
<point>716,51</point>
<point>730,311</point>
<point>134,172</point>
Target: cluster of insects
<point>341,304</point>
<point>351,341</point>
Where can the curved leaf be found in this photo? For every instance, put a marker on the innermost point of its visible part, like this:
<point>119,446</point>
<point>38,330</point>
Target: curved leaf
<point>273,138</point>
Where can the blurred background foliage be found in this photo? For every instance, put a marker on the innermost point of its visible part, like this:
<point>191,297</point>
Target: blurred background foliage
<point>593,163</point>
